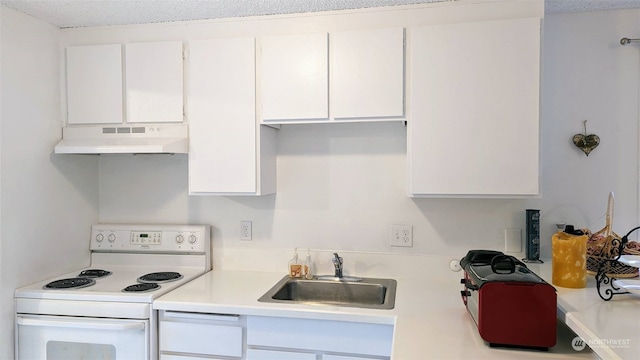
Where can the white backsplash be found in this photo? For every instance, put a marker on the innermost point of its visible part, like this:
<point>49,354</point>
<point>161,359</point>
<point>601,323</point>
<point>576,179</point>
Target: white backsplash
<point>361,264</point>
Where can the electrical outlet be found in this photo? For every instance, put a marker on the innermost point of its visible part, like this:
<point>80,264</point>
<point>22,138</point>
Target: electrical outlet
<point>401,235</point>
<point>245,230</point>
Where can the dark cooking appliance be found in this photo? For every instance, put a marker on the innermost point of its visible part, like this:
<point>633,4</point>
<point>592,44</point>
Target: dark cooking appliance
<point>509,303</point>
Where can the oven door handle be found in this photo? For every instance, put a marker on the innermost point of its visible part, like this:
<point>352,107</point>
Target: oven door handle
<point>98,325</point>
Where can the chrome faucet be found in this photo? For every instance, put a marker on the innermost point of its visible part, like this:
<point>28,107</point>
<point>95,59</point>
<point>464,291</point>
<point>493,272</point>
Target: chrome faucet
<point>337,263</point>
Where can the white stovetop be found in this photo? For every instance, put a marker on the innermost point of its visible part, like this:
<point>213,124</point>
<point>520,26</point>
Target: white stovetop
<point>430,319</point>
<point>125,268</point>
<point>109,288</point>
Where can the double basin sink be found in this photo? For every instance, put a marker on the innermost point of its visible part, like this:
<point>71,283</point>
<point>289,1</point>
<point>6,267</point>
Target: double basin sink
<point>367,293</point>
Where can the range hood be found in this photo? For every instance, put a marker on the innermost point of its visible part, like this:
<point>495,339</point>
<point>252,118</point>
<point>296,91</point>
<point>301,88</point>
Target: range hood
<point>122,139</point>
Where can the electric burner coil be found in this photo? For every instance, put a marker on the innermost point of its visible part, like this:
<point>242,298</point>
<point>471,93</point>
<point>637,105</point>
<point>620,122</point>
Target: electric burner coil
<point>94,273</point>
<point>70,283</point>
<point>142,287</point>
<point>160,277</point>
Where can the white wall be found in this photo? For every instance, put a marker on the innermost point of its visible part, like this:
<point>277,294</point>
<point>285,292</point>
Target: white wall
<point>341,186</point>
<point>48,201</point>
<point>588,75</point>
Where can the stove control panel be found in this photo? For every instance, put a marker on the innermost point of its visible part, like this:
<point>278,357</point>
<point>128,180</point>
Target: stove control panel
<point>150,238</point>
<point>147,238</point>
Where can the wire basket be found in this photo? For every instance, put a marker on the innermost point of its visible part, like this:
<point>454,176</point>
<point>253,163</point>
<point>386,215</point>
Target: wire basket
<point>604,245</point>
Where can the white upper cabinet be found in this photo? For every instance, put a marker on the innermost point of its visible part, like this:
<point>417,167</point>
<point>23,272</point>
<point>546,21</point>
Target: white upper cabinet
<point>367,73</point>
<point>473,127</point>
<point>228,152</point>
<point>294,77</point>
<point>337,77</point>
<point>94,84</point>
<point>154,82</point>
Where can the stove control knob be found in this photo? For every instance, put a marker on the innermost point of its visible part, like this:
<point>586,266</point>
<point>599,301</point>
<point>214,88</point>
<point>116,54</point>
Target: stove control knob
<point>179,239</point>
<point>99,237</point>
<point>193,239</point>
<point>112,237</point>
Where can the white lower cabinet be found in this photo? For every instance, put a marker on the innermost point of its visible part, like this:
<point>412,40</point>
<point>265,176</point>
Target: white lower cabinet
<point>189,336</point>
<point>278,338</point>
<point>184,335</point>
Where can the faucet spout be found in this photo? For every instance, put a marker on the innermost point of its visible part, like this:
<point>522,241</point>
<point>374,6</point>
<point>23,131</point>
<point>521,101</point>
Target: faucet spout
<point>337,263</point>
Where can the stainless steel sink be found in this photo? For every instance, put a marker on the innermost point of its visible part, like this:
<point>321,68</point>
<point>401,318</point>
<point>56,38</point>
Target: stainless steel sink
<point>364,293</point>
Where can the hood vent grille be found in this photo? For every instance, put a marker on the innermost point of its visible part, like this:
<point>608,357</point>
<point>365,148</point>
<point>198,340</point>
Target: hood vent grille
<point>124,130</point>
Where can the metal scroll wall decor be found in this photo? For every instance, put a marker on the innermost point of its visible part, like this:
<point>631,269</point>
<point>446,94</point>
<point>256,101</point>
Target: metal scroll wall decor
<point>586,142</point>
<point>605,283</point>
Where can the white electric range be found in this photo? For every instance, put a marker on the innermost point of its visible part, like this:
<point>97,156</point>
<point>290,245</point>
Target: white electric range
<point>105,310</point>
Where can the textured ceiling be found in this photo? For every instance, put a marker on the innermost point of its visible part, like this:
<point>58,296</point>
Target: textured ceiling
<point>81,13</point>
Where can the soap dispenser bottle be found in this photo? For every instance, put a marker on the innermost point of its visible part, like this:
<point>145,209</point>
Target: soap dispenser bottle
<point>308,274</point>
<point>295,267</point>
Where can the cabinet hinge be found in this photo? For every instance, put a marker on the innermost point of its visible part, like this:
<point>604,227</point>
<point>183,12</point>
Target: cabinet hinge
<point>185,53</point>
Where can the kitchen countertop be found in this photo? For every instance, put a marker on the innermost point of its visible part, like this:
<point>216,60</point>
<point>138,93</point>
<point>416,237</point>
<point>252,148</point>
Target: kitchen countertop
<point>611,328</point>
<point>429,316</point>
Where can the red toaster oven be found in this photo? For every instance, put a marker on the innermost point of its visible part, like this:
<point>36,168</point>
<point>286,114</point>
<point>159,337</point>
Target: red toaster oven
<point>511,305</point>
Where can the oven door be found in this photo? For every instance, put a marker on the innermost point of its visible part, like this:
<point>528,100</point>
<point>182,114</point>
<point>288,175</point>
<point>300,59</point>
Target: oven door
<point>65,337</point>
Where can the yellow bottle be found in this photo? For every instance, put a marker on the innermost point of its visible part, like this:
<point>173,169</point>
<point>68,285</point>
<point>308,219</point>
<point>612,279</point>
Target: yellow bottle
<point>569,260</point>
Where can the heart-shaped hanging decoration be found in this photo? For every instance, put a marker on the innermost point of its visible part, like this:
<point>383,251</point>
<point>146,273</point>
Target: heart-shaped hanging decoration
<point>586,142</point>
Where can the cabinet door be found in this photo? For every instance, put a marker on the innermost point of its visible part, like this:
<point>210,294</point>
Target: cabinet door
<point>154,82</point>
<point>228,152</point>
<point>320,335</point>
<point>474,108</point>
<point>294,77</point>
<point>94,84</point>
<point>367,73</point>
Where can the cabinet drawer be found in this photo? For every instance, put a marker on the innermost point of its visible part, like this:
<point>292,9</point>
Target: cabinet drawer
<point>186,357</point>
<point>200,337</point>
<point>320,335</point>
<point>259,354</point>
<point>341,357</point>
